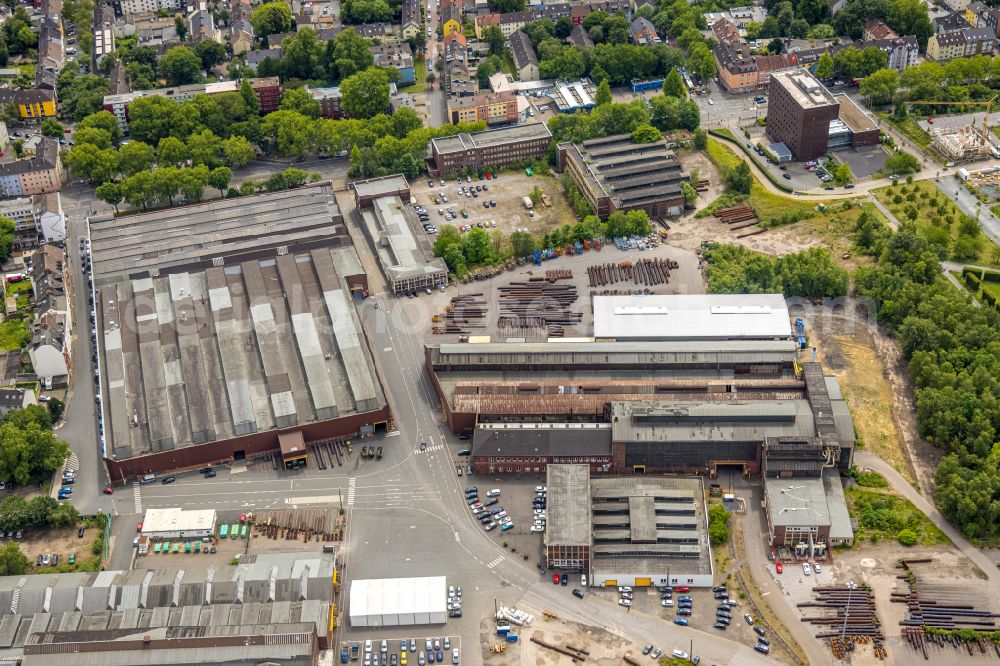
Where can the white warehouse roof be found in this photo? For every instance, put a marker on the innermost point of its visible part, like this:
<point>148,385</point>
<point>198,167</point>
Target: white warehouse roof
<point>178,520</point>
<point>382,602</point>
<point>691,317</point>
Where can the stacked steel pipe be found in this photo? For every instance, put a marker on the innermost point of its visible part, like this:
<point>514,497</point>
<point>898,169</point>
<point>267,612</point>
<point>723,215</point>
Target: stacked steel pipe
<point>852,622</point>
<point>544,301</point>
<point>464,313</point>
<point>646,272</point>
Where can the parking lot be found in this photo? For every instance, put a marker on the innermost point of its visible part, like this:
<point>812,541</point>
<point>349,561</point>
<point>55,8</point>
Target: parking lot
<point>515,500</point>
<point>400,650</point>
<point>508,191</point>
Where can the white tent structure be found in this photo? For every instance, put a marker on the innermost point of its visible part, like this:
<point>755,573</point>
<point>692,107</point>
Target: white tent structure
<point>392,602</point>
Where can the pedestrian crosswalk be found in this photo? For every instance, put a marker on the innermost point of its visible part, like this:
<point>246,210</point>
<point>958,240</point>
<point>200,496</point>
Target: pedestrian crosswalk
<point>430,447</point>
<point>495,562</point>
<point>350,492</point>
<point>136,493</point>
<point>72,463</point>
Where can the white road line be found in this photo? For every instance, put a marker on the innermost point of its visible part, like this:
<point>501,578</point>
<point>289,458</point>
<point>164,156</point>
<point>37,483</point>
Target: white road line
<point>495,562</point>
<point>350,491</point>
<point>138,497</point>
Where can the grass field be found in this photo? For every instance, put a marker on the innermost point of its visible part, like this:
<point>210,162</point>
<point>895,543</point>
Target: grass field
<point>419,78</point>
<point>764,202</point>
<point>993,288</point>
<point>881,516</point>
<point>932,207</point>
<point>14,335</point>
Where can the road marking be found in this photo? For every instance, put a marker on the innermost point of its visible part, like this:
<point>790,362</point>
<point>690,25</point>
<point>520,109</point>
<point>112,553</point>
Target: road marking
<point>72,463</point>
<point>495,562</point>
<point>387,349</point>
<point>394,433</point>
<point>350,491</point>
<point>138,497</point>
<point>456,538</point>
<point>432,447</point>
<point>316,499</point>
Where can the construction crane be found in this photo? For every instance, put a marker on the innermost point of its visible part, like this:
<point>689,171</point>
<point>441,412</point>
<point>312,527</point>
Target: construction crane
<point>988,104</point>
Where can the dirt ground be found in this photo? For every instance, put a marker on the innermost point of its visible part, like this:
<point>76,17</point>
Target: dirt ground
<point>605,648</point>
<point>57,541</point>
<point>508,191</point>
<point>875,565</point>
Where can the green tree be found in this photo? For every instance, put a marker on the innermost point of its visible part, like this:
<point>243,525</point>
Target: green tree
<point>237,151</point>
<point>138,190</point>
<point>93,136</point>
<point>39,508</point>
<point>249,98</point>
<point>135,156</point>
<point>13,512</point>
<point>842,174</point>
<point>180,66</point>
<point>289,131</point>
<point>171,151</point>
<point>104,120</point>
<point>880,86</point>
<point>88,161</point>
<point>350,55</point>
<point>109,193</point>
<point>700,139</point>
<point>52,128</point>
<point>180,25</point>
<point>902,162</point>
<point>205,148</point>
<point>646,134</point>
<point>494,39</point>
<point>211,53</point>
<point>366,93</point>
<point>824,67</point>
<point>299,100</point>
<point>477,247</point>
<point>63,515</point>
<point>690,194</point>
<point>522,243</point>
<point>454,258</point>
<point>603,95</point>
<point>12,561</point>
<point>219,178</point>
<point>271,18</point>
<point>192,182</point>
<point>673,85</point>
<point>739,179</point>
<point>302,55</point>
<point>29,451</point>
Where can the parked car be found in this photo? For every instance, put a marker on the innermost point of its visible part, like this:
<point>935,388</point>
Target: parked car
<point>577,593</point>
<point>681,621</point>
<point>564,580</point>
<point>625,602</point>
<point>805,568</point>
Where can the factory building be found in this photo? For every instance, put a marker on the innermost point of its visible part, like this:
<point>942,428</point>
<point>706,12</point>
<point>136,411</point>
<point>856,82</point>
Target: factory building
<point>398,602</point>
<point>405,255</point>
<point>222,326</point>
<point>636,531</point>
<point>616,174</point>
<point>706,397</point>
<point>272,608</point>
<point>178,523</point>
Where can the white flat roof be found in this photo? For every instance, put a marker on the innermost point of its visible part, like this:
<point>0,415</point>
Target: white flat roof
<point>691,317</point>
<point>391,596</point>
<point>177,520</point>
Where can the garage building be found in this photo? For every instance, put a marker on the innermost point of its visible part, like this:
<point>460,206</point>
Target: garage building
<point>178,523</point>
<point>393,602</point>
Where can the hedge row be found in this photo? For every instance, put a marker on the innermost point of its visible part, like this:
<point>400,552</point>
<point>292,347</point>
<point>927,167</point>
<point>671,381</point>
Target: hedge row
<point>972,280</point>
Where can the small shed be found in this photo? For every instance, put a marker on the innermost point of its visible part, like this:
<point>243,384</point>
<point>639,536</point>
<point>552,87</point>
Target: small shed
<point>781,151</point>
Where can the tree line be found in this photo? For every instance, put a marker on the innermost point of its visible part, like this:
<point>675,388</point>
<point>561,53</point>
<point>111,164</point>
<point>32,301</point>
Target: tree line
<point>812,273</point>
<point>953,351</point>
<point>29,450</point>
<point>958,80</point>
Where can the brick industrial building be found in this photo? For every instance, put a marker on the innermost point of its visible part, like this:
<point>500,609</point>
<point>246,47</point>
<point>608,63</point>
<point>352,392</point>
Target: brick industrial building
<point>614,173</point>
<point>493,148</point>
<point>799,113</point>
<point>810,121</point>
<point>667,405</point>
<point>227,329</point>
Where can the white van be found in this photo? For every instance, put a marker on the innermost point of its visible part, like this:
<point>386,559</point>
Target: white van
<point>149,478</point>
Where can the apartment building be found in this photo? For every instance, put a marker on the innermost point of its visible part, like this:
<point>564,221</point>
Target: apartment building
<point>799,113</point>
<point>961,43</point>
<point>410,19</point>
<point>395,55</point>
<point>491,108</point>
<point>493,148</point>
<point>33,105</point>
<point>37,174</point>
<point>524,57</point>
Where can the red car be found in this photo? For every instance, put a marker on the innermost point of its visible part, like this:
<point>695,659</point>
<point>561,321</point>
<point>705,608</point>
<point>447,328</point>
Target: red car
<point>555,579</point>
<point>777,567</point>
<point>108,490</point>
<point>682,589</point>
<point>138,528</point>
<point>930,121</point>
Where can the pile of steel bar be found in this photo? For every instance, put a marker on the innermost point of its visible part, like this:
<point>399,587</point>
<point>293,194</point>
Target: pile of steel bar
<point>648,272</point>
<point>465,312</point>
<point>850,619</point>
<point>545,302</point>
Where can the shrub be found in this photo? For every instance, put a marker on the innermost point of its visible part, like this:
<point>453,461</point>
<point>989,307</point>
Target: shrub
<point>907,537</point>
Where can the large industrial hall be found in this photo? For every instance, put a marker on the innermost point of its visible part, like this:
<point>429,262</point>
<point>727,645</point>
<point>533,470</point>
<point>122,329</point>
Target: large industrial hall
<point>226,326</point>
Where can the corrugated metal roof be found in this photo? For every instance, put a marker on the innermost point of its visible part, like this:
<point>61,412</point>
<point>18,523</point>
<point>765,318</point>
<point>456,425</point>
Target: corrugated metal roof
<point>691,317</point>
